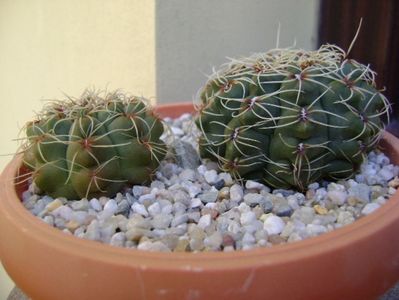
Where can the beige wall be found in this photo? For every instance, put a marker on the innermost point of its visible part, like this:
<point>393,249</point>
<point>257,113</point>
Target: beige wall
<point>154,48</point>
<point>48,47</point>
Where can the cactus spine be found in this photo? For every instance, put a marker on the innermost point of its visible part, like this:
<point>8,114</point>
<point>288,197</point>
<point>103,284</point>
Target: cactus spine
<point>93,145</point>
<point>291,117</point>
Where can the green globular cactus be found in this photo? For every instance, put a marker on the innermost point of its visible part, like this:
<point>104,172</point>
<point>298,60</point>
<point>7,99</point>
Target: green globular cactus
<point>291,117</point>
<point>94,145</point>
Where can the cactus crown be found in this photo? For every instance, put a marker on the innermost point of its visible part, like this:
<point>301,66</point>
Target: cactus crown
<point>93,145</point>
<point>291,117</point>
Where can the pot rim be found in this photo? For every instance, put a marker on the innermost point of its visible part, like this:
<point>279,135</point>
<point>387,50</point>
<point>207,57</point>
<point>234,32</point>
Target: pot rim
<point>12,208</point>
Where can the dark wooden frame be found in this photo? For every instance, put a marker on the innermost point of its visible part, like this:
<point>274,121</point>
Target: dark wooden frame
<point>377,43</point>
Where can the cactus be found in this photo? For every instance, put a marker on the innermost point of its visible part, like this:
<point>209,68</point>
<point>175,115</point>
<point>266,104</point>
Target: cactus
<point>291,117</point>
<point>94,145</point>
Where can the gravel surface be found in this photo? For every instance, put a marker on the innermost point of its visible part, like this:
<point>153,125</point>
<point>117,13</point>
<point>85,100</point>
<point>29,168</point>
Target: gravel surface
<point>190,206</point>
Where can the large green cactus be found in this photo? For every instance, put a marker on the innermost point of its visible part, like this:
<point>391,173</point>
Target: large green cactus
<point>93,145</point>
<point>291,117</point>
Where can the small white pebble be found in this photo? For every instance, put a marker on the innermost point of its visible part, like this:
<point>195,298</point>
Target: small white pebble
<point>227,178</point>
<point>236,193</point>
<point>243,207</point>
<point>177,131</point>
<point>247,218</point>
<point>337,197</point>
<point>111,206</point>
<point>187,174</point>
<point>147,197</point>
<point>140,209</point>
<point>205,221</point>
<point>250,184</point>
<point>274,225</point>
<point>202,169</point>
<point>248,239</point>
<point>369,208</point>
<point>64,212</point>
<point>178,220</point>
<point>153,246</point>
<point>154,209</point>
<point>196,202</point>
<point>211,176</point>
<point>95,204</point>
<point>314,229</point>
<point>118,239</point>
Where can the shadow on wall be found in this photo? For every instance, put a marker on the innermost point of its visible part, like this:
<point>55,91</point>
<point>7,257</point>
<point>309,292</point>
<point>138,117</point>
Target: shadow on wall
<point>193,36</point>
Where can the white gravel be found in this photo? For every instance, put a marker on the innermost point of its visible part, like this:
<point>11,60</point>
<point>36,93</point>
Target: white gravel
<point>192,207</point>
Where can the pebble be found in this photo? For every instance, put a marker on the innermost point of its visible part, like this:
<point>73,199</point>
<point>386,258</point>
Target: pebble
<point>95,204</point>
<point>214,241</point>
<point>80,205</point>
<point>236,193</point>
<point>253,199</point>
<point>187,174</point>
<point>224,193</point>
<point>266,205</point>
<point>118,239</point>
<point>204,221</point>
<point>247,218</point>
<point>276,239</point>
<point>304,214</point>
<point>211,176</point>
<point>361,192</point>
<point>274,225</point>
<point>161,221</point>
<point>182,245</point>
<point>139,208</point>
<point>49,220</point>
<point>313,186</point>
<point>180,219</point>
<point>146,198</point>
<point>345,218</point>
<point>111,206</point>
<point>139,190</point>
<point>153,246</point>
<point>394,183</point>
<point>210,196</point>
<point>154,209</point>
<point>192,189</point>
<point>337,197</point>
<point>314,229</point>
<point>64,212</point>
<point>53,205</point>
<point>320,209</point>
<point>219,184</point>
<point>196,202</point>
<point>186,155</point>
<point>248,239</point>
<point>250,184</point>
<point>283,209</point>
<point>369,208</point>
<point>72,225</point>
<point>176,130</point>
<point>228,180</point>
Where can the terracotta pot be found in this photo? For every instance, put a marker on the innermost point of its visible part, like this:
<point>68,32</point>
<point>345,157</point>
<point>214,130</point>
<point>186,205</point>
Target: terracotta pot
<point>358,261</point>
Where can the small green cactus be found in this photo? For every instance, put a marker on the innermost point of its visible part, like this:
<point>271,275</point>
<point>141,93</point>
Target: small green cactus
<point>291,117</point>
<point>94,145</point>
